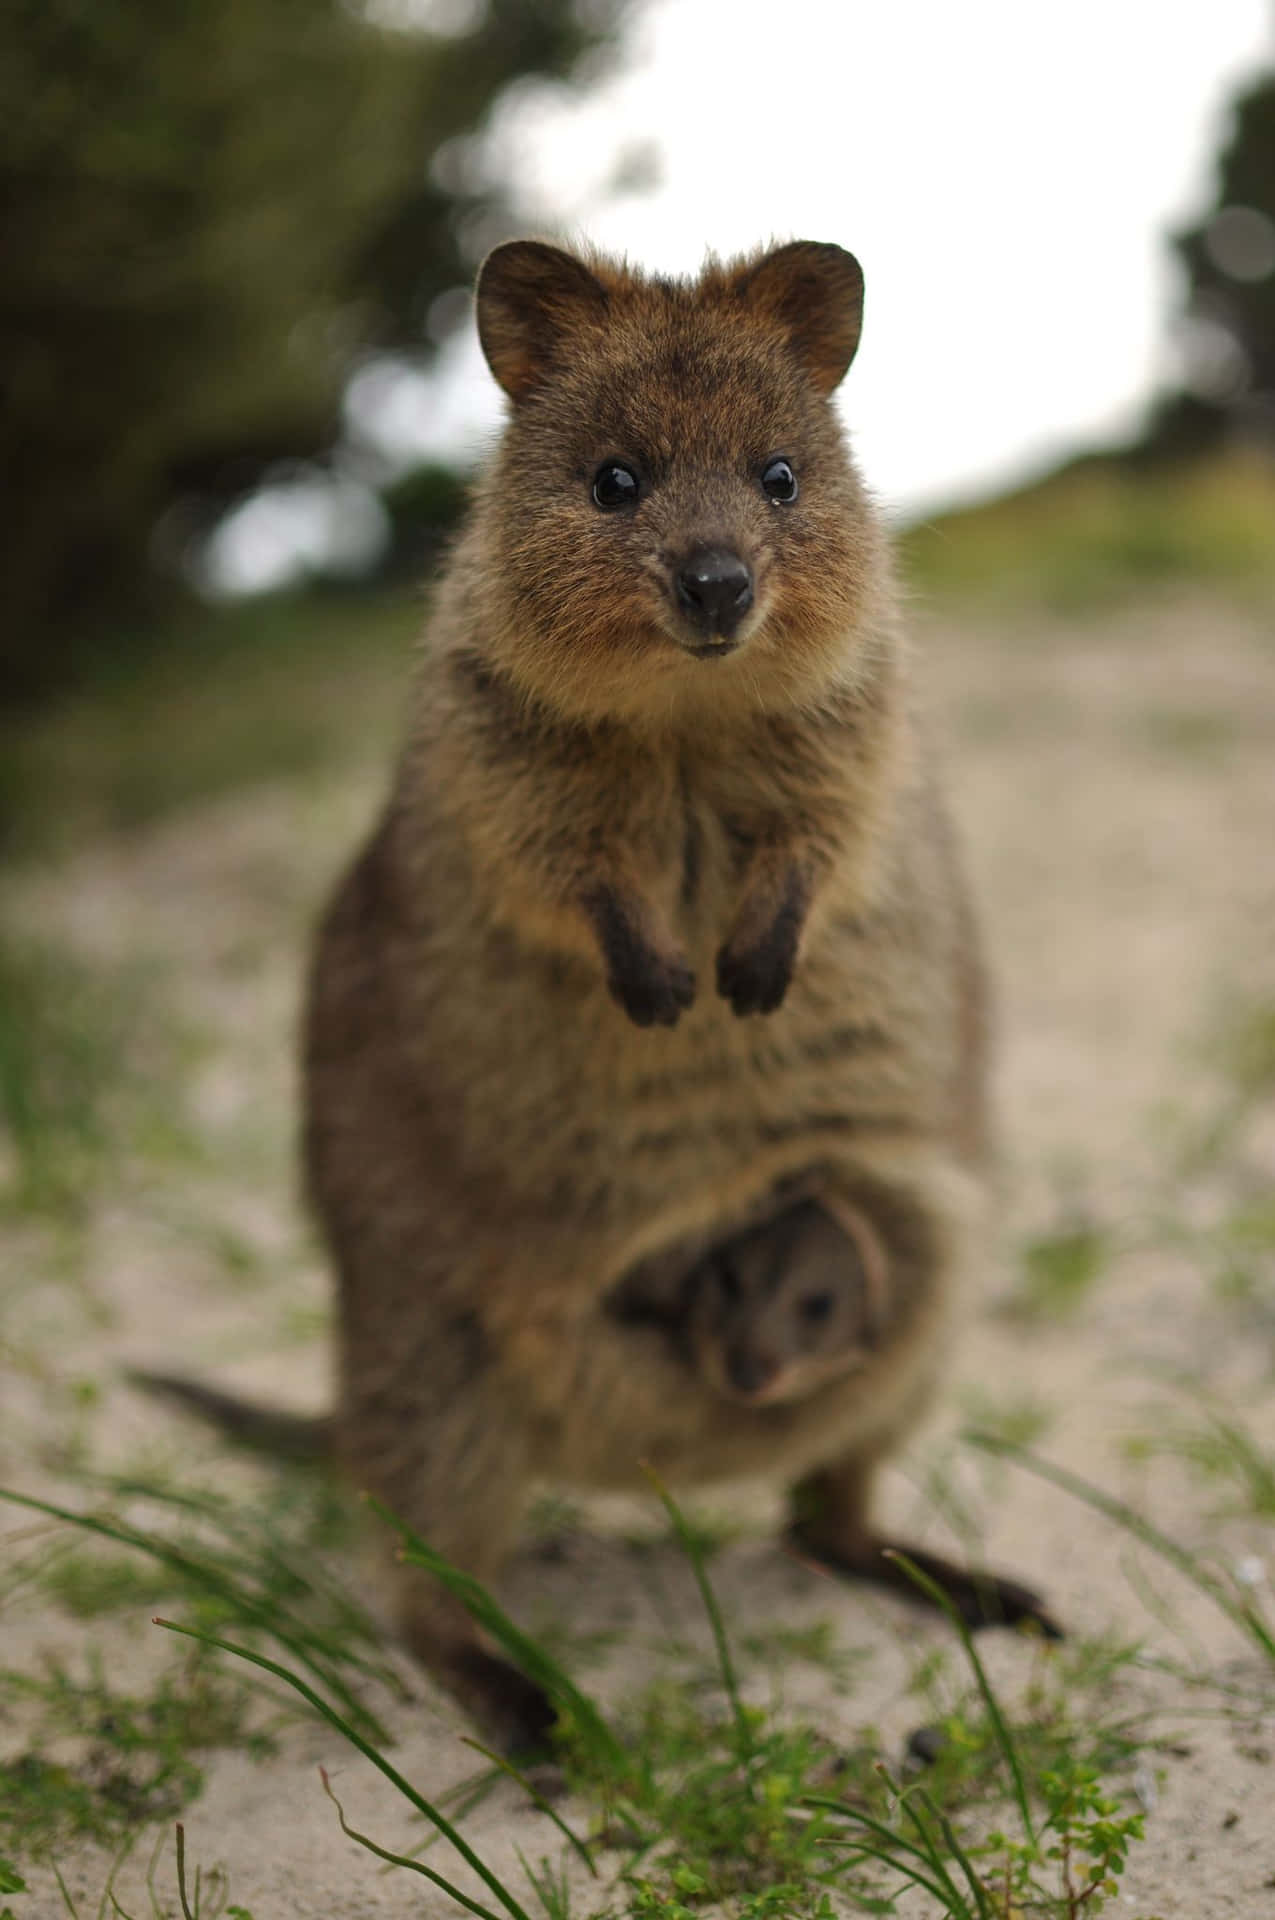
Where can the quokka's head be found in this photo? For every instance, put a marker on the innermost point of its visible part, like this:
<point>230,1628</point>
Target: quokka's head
<point>673,523</point>
<point>782,1310</point>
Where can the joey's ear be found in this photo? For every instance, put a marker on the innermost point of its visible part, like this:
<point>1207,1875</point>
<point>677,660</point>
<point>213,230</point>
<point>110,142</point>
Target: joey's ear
<point>815,292</point>
<point>530,297</point>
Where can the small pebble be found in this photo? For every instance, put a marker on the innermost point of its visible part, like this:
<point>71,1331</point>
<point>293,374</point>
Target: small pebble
<point>925,1744</point>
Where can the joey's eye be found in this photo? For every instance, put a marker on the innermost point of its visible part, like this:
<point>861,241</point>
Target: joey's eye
<point>815,1308</point>
<point>779,483</point>
<point>615,485</point>
<point>728,1278</point>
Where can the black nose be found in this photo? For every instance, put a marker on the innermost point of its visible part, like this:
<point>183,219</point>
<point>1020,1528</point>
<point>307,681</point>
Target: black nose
<point>714,590</point>
<point>749,1372</point>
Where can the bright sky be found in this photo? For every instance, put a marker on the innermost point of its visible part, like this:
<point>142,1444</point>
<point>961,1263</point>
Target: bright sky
<point>1005,172</point>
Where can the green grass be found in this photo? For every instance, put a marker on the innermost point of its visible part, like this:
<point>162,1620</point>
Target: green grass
<point>83,1062</point>
<point>140,1755</point>
<point>1096,533</point>
<point>1228,1593</point>
<point>273,688</point>
<point>1058,1271</point>
<point>701,1799</point>
<point>1220,1451</point>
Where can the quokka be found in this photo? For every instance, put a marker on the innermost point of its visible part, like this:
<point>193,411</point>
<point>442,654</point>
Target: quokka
<point>661,916</point>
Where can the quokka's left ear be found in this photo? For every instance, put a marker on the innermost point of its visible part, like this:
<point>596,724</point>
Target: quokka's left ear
<point>815,291</point>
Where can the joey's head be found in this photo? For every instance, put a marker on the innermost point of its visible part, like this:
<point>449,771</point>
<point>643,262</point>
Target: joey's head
<point>673,524</point>
<point>780,1310</point>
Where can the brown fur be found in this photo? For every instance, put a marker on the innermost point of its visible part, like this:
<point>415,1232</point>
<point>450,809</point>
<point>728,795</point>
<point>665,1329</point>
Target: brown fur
<point>588,812</point>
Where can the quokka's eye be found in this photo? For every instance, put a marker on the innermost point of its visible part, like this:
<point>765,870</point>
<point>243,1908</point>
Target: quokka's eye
<point>816,1308</point>
<point>779,482</point>
<point>615,485</point>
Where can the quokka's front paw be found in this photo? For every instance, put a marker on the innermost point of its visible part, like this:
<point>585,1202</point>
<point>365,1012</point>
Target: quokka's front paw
<point>755,978</point>
<point>655,990</point>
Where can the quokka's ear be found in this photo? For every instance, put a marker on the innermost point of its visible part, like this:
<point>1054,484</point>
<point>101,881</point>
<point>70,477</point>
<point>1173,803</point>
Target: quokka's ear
<point>530,298</point>
<point>815,292</point>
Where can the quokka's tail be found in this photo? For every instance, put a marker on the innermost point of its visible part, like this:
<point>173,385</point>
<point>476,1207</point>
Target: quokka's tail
<point>287,1436</point>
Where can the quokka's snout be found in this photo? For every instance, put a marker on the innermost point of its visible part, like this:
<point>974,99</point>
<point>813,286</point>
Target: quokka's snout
<point>713,591</point>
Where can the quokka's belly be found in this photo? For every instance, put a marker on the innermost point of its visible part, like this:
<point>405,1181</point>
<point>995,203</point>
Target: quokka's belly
<point>552,1065</point>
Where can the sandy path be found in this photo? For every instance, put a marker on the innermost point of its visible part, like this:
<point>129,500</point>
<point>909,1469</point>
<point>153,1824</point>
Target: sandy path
<point>1116,782</point>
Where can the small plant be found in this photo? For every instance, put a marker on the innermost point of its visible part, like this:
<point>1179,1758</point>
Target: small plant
<point>1084,1837</point>
<point>1058,1271</point>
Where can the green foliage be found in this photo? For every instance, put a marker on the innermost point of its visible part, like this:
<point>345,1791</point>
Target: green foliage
<point>1084,1834</point>
<point>210,214</point>
<point>1229,261</point>
<point>1098,532</point>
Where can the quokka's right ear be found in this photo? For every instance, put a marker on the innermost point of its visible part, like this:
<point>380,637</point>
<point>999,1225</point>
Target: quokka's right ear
<point>531,297</point>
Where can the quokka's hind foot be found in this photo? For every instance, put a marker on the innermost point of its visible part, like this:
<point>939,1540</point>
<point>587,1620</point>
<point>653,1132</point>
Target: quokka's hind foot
<point>511,1710</point>
<point>981,1599</point>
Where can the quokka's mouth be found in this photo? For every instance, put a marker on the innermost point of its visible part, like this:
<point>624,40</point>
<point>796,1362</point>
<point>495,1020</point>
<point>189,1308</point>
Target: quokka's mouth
<point>710,649</point>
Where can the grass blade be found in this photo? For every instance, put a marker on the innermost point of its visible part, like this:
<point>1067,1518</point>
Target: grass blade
<point>958,1853</point>
<point>525,1652</point>
<point>249,1547</point>
<point>403,1859</point>
<point>396,1779</point>
<point>67,1900</point>
<point>1243,1616</point>
<point>181,1874</point>
<point>690,1547</point>
<point>297,1639</point>
<point>537,1798</point>
<point>892,1844</point>
<point>1004,1739</point>
<point>957,1905</point>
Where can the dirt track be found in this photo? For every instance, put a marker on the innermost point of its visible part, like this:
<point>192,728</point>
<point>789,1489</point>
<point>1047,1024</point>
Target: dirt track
<point>1116,784</point>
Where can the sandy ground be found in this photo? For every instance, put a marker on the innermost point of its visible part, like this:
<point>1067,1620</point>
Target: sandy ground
<point>1116,783</point>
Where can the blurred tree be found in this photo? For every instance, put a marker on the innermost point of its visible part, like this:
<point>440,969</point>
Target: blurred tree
<point>207,214</point>
<point>1227,331</point>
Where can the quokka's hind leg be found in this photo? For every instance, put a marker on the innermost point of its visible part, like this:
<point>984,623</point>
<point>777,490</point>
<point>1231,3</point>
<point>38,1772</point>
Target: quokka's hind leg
<point>831,1526</point>
<point>456,1475</point>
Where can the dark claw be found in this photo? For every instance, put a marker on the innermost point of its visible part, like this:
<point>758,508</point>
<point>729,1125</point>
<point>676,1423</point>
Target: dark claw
<point>754,982</point>
<point>656,994</point>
